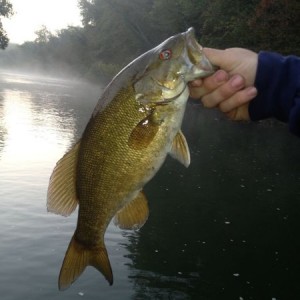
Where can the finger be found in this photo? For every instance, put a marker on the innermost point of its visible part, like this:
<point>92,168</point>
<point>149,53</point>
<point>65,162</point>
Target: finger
<point>238,99</point>
<point>196,88</point>
<point>224,92</point>
<point>212,82</point>
<point>201,87</point>
<point>196,83</point>
<point>197,92</point>
<point>239,114</point>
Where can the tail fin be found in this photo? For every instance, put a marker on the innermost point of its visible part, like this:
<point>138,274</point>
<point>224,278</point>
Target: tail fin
<point>77,258</point>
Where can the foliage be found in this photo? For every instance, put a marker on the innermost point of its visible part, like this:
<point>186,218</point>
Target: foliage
<point>225,24</point>
<point>6,10</point>
<point>116,31</point>
<point>116,25</point>
<point>277,25</point>
<point>43,35</point>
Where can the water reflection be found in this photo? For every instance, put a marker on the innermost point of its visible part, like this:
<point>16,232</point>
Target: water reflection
<point>38,122</point>
<point>2,127</point>
<point>33,133</point>
<point>40,116</point>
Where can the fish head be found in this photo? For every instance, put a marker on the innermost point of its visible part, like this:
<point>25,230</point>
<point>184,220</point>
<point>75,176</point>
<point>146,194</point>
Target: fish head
<point>170,66</point>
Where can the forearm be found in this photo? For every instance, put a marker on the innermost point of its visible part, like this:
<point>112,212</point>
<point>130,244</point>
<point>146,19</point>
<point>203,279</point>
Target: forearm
<point>278,84</point>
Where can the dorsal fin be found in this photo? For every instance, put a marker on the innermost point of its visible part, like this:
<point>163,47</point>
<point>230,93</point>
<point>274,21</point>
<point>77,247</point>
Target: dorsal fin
<point>133,215</point>
<point>180,149</point>
<point>61,196</point>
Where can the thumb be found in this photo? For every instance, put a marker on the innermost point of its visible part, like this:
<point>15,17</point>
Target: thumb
<point>218,58</point>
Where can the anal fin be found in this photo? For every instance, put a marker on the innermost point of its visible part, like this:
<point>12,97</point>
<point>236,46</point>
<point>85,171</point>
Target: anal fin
<point>134,215</point>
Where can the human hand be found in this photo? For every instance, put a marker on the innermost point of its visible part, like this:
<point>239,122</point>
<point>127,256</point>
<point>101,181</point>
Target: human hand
<point>230,88</point>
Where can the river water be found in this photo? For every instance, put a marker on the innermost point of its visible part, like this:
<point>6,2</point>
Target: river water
<point>225,228</point>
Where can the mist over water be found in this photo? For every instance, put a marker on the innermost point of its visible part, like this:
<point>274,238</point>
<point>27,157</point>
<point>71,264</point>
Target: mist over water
<point>225,228</point>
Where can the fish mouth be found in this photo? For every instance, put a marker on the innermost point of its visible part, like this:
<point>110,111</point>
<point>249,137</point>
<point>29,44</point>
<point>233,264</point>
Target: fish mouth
<point>201,66</point>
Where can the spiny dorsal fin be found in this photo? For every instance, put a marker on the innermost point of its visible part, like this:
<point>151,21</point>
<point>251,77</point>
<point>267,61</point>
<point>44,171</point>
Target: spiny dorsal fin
<point>134,215</point>
<point>78,257</point>
<point>61,196</point>
<point>180,149</point>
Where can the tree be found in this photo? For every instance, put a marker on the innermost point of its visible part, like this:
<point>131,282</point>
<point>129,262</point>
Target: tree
<point>43,35</point>
<point>116,31</point>
<point>224,24</point>
<point>6,10</point>
<point>276,26</point>
<point>69,46</point>
<point>169,17</point>
<point>116,25</point>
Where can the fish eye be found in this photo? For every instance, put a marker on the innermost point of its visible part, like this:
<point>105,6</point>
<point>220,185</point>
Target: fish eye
<point>165,54</point>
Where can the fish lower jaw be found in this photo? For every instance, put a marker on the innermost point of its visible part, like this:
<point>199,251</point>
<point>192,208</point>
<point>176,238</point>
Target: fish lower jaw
<point>198,74</point>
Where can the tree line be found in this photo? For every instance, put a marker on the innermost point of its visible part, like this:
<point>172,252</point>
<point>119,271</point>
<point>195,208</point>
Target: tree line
<point>114,32</point>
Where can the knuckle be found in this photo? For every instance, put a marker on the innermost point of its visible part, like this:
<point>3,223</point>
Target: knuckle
<point>223,107</point>
<point>207,102</point>
<point>197,92</point>
<point>225,91</point>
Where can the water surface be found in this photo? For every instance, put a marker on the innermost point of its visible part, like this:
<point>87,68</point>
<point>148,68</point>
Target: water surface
<point>225,228</point>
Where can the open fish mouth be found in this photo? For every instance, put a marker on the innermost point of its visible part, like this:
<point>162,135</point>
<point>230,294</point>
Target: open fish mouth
<point>175,62</point>
<point>200,65</point>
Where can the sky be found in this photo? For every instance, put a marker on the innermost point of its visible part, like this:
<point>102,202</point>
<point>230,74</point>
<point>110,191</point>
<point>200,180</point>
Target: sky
<point>31,15</point>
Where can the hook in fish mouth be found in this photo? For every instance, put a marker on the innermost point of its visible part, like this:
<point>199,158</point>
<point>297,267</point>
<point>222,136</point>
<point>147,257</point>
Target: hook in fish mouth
<point>147,106</point>
<point>171,89</point>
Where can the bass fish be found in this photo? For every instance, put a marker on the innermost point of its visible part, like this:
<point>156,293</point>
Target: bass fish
<point>134,126</point>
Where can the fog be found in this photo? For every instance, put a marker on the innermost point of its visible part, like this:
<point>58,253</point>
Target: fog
<point>17,59</point>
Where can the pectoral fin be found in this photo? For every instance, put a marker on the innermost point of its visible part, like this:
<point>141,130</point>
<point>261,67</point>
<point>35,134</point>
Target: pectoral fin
<point>134,215</point>
<point>143,134</point>
<point>61,196</point>
<point>180,149</point>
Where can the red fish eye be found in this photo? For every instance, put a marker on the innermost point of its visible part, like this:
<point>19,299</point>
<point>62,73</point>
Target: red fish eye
<point>165,54</point>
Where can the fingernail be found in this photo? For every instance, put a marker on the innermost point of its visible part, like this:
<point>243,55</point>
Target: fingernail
<point>252,92</point>
<point>221,76</point>
<point>237,82</point>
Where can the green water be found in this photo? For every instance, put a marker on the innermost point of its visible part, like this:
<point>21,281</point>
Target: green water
<point>225,228</point>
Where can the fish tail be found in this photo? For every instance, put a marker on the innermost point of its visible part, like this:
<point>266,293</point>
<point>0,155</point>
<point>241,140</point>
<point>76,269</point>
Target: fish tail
<point>77,258</point>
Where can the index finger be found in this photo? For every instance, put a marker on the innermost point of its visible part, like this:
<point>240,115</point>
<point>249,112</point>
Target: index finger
<point>201,87</point>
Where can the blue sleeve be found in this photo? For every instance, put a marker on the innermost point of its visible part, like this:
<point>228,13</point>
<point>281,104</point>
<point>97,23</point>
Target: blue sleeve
<point>278,85</point>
